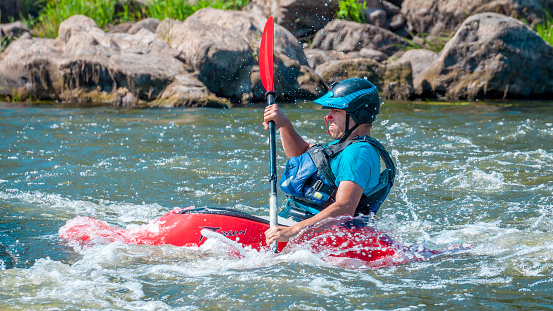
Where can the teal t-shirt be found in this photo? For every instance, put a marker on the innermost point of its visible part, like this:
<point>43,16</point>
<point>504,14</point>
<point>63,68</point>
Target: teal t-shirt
<point>359,163</point>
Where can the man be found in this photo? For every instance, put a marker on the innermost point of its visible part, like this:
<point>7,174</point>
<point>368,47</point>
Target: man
<point>340,178</point>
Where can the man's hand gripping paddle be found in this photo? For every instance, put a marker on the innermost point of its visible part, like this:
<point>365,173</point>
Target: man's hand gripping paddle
<point>266,72</point>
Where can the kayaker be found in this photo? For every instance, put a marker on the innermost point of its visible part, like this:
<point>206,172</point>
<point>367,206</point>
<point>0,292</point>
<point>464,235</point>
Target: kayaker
<point>339,178</point>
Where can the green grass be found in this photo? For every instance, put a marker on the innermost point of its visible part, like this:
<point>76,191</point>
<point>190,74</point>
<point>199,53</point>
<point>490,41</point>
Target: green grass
<point>436,45</point>
<point>109,12</point>
<point>545,28</point>
<point>351,10</point>
<point>5,41</point>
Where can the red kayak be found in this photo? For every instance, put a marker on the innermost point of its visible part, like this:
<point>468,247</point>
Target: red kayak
<point>352,239</point>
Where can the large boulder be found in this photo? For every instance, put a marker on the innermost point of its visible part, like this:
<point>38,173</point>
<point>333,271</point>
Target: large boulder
<point>437,16</point>
<point>491,56</point>
<point>348,36</point>
<point>302,18</point>
<point>223,47</point>
<point>394,81</point>
<point>85,64</point>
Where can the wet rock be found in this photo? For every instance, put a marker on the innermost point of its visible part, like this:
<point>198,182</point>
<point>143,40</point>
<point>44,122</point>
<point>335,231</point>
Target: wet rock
<point>436,16</point>
<point>393,81</point>
<point>85,64</point>
<point>347,36</point>
<point>223,46</point>
<point>188,91</point>
<point>302,18</point>
<point>491,56</point>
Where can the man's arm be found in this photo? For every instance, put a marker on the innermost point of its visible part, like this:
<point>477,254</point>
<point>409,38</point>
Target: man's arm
<point>347,199</point>
<point>292,143</point>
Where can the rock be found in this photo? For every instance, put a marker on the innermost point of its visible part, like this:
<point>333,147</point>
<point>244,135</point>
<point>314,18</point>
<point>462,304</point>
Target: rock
<point>223,47</point>
<point>491,56</point>
<point>436,16</point>
<point>121,28</point>
<point>316,57</point>
<point>373,54</point>
<point>397,22</point>
<point>393,81</point>
<point>390,8</point>
<point>188,91</point>
<point>85,64</point>
<point>14,30</point>
<point>420,60</point>
<point>383,14</point>
<point>302,18</point>
<point>339,70</point>
<point>148,23</point>
<point>347,36</point>
<point>398,81</point>
<point>377,17</point>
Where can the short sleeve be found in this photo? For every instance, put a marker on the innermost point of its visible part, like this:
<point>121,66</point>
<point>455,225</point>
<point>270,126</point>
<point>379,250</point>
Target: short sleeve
<point>359,163</point>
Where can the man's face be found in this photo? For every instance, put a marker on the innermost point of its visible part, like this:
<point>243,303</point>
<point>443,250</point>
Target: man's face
<point>336,123</point>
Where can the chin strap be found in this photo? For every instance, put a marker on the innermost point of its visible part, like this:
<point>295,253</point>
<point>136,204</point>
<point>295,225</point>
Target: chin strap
<point>348,130</point>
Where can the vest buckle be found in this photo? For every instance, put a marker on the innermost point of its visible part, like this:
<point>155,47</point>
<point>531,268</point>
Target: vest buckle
<point>318,185</point>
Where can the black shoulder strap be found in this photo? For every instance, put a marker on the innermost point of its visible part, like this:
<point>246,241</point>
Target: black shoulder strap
<point>390,166</point>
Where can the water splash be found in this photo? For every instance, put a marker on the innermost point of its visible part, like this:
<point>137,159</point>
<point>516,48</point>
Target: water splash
<point>401,178</point>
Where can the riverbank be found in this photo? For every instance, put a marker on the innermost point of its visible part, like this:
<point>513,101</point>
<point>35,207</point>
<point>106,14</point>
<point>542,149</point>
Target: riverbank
<point>210,58</point>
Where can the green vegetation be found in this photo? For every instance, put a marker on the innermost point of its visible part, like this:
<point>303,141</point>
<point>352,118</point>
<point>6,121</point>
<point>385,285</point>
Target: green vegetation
<point>181,9</point>
<point>351,10</point>
<point>5,41</point>
<point>545,28</point>
<point>106,12</point>
<point>436,44</point>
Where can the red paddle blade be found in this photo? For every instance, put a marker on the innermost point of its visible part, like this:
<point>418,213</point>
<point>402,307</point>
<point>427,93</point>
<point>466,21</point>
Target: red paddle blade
<point>266,55</point>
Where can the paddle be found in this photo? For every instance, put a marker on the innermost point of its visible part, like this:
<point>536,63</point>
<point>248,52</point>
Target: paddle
<point>266,72</point>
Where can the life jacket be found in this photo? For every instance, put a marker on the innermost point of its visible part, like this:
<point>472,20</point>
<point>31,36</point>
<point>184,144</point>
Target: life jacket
<point>310,184</point>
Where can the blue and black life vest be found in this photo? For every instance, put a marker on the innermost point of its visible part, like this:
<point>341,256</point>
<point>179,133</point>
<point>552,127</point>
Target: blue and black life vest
<point>309,182</point>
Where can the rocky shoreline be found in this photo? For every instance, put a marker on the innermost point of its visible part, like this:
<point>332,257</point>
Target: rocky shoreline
<point>210,59</point>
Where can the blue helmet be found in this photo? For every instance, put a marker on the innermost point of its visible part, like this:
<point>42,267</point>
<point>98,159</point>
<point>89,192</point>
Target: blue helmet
<point>358,97</point>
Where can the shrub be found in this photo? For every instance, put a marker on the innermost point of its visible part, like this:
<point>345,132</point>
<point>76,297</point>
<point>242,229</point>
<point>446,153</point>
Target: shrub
<point>351,10</point>
<point>106,12</point>
<point>545,28</point>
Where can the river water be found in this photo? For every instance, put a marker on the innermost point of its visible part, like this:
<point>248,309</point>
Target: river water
<point>468,174</point>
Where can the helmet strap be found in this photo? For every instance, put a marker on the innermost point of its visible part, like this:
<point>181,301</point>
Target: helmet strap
<point>348,130</point>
